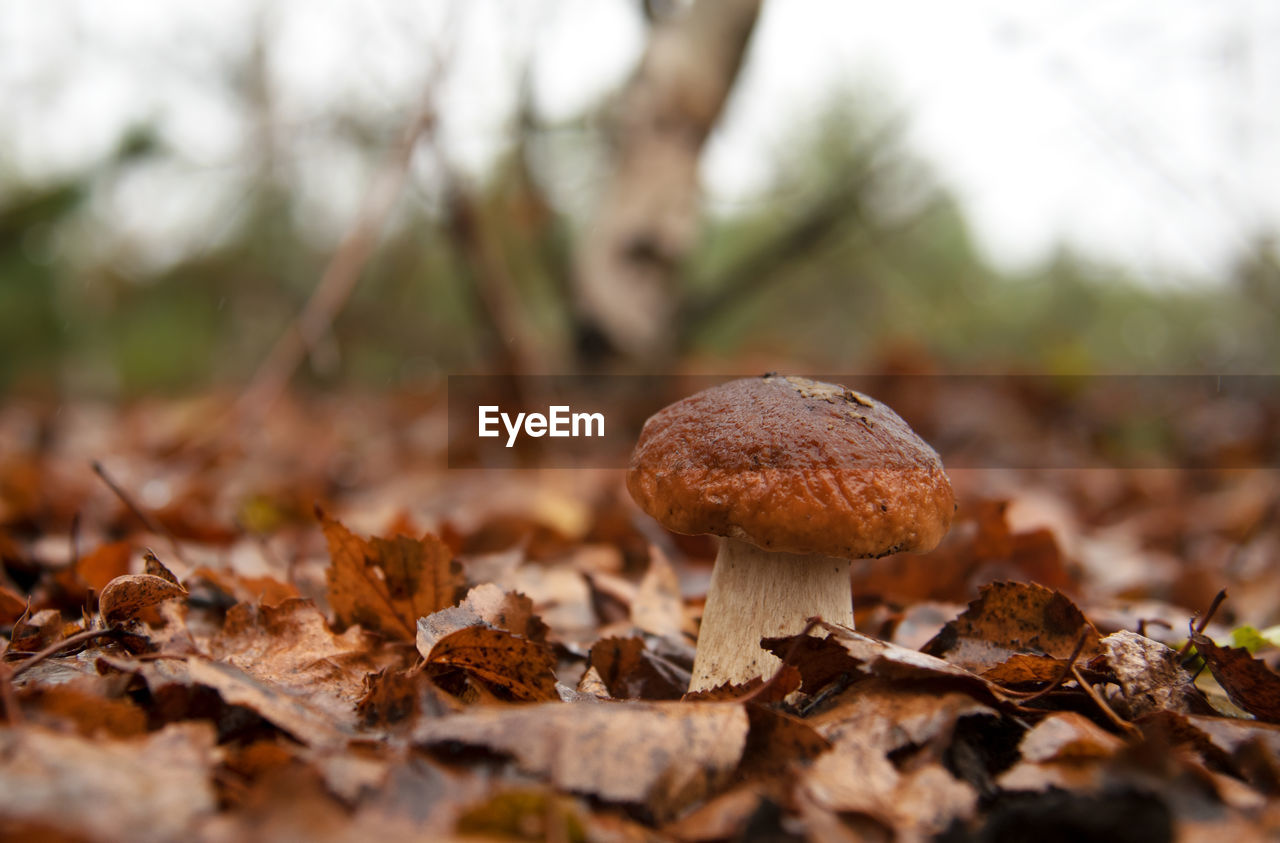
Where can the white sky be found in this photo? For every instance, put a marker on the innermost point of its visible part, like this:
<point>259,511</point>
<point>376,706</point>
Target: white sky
<point>1141,132</point>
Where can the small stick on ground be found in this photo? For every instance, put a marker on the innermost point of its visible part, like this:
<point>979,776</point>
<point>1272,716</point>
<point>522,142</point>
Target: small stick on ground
<point>141,514</point>
<point>1062,675</point>
<point>58,646</point>
<point>1124,725</point>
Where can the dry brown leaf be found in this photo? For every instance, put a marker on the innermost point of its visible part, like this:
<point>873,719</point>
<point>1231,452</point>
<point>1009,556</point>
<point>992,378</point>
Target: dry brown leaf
<point>385,585</point>
<point>858,777</point>
<point>126,597</point>
<point>1010,618</point>
<point>1149,675</point>
<point>889,715</point>
<point>153,788</point>
<point>156,568</point>
<point>33,632</point>
<point>843,651</point>
<point>103,564</point>
<point>1248,681</point>
<point>12,606</point>
<point>1065,735</point>
<point>778,744</point>
<point>658,607</point>
<point>291,647</point>
<point>81,705</point>
<point>293,713</point>
<point>632,672</point>
<point>661,756</point>
<point>494,636</point>
<point>524,669</point>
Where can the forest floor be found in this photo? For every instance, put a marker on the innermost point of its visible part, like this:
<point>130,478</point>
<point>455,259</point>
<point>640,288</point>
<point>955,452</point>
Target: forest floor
<point>322,632</point>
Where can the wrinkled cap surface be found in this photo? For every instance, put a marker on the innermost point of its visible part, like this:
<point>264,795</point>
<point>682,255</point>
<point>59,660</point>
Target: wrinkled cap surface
<point>795,465</point>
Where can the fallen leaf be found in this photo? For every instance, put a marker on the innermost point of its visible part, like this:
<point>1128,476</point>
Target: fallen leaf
<point>658,608</point>
<point>126,597</point>
<point>103,564</point>
<point>494,636</point>
<point>1149,675</point>
<point>156,568</point>
<point>525,669</point>
<point>152,788</point>
<point>1010,619</point>
<point>662,756</point>
<point>12,606</point>
<point>630,671</point>
<point>293,713</point>
<point>385,585</point>
<point>1248,681</point>
<point>80,705</point>
<point>778,744</point>
<point>1065,735</point>
<point>844,651</point>
<point>33,632</point>
<point>291,647</point>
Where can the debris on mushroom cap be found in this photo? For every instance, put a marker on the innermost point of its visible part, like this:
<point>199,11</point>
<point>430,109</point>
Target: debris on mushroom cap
<point>793,465</point>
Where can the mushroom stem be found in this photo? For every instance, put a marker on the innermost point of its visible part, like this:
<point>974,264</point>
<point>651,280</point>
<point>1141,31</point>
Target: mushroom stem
<point>758,594</point>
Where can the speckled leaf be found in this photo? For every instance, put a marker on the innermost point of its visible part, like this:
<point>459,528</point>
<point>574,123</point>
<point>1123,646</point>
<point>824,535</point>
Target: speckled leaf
<point>126,597</point>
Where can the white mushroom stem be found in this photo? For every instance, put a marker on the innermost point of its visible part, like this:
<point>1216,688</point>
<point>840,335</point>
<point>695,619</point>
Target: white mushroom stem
<point>758,594</point>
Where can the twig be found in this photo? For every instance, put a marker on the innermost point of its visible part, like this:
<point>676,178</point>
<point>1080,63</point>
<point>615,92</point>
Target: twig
<point>1203,622</point>
<point>58,646</point>
<point>1062,676</point>
<point>1121,723</point>
<point>339,278</point>
<point>765,265</point>
<point>142,515</point>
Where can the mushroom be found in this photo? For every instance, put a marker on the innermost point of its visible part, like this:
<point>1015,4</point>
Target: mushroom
<point>796,477</point>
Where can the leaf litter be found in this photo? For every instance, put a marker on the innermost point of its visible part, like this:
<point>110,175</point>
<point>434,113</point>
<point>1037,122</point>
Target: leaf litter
<point>504,655</point>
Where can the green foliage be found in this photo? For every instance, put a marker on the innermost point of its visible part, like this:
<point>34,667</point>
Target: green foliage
<point>855,250</point>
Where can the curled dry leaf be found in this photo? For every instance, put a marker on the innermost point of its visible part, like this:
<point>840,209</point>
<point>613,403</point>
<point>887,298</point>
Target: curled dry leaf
<point>126,597</point>
<point>385,585</point>
<point>1248,681</point>
<point>1149,675</point>
<point>661,756</point>
<point>1009,619</point>
<point>156,568</point>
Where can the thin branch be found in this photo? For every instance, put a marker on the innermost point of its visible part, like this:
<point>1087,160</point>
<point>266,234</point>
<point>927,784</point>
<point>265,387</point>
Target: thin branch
<point>1204,621</point>
<point>58,646</point>
<point>1062,676</point>
<point>141,514</point>
<point>752,274</point>
<point>340,276</point>
<point>1124,725</point>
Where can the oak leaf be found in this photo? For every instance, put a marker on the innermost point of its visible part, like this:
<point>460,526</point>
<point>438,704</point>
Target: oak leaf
<point>385,585</point>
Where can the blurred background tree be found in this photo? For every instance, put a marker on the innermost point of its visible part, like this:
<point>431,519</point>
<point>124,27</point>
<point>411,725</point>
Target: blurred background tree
<point>149,268</point>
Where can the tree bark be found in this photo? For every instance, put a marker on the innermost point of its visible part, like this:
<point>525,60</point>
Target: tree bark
<point>648,218</point>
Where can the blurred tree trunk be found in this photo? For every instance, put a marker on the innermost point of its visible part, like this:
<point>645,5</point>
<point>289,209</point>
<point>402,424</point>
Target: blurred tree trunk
<point>626,266</point>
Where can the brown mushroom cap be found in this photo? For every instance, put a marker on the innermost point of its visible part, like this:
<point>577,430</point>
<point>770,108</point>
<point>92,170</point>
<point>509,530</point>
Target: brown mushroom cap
<point>795,465</point>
